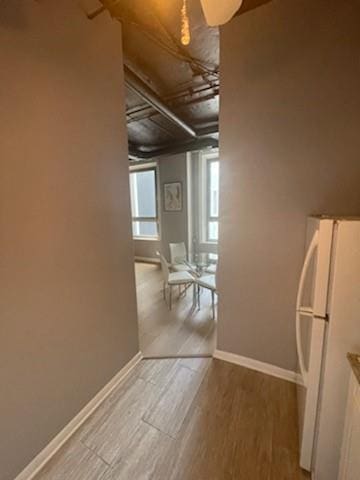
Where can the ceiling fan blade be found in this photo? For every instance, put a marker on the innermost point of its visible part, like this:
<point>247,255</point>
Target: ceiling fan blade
<point>218,12</point>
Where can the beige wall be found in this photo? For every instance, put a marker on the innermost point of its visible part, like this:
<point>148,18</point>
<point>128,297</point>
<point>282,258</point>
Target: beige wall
<point>173,224</point>
<point>171,168</point>
<point>289,144</point>
<point>67,303</point>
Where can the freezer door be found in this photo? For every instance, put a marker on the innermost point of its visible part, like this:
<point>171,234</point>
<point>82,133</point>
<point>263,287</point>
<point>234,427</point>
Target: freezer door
<point>322,274</point>
<point>315,275</point>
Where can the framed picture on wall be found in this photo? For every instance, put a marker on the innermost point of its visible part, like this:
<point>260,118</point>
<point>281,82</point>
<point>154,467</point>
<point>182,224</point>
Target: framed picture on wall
<point>173,197</point>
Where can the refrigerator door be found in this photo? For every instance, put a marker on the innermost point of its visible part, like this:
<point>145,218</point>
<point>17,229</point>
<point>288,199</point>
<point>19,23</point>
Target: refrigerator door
<point>308,393</point>
<point>343,336</point>
<point>311,323</point>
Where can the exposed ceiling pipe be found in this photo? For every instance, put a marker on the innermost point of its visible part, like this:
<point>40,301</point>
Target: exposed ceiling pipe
<point>207,129</point>
<point>134,83</point>
<point>203,141</point>
<point>198,144</point>
<point>148,112</point>
<point>179,97</point>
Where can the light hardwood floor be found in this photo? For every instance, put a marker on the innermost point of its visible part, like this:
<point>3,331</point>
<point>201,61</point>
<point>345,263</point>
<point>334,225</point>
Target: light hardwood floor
<point>181,331</point>
<point>187,419</point>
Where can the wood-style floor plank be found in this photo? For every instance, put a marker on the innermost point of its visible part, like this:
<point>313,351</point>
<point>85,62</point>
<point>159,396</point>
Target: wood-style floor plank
<point>170,407</point>
<point>187,419</point>
<point>106,434</point>
<point>155,372</point>
<point>227,434</point>
<point>74,462</point>
<point>197,364</point>
<point>144,450</point>
<point>181,331</point>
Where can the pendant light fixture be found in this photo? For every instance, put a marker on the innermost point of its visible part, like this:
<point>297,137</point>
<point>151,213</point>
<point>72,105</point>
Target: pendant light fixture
<point>185,25</point>
<point>218,12</point>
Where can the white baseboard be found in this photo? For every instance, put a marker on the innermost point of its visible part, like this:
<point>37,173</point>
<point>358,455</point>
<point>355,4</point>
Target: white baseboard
<point>257,365</point>
<point>147,259</point>
<point>49,451</point>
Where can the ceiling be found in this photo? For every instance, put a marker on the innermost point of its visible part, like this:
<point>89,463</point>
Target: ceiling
<point>182,82</point>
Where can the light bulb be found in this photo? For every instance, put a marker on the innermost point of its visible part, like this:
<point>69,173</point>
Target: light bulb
<point>185,25</point>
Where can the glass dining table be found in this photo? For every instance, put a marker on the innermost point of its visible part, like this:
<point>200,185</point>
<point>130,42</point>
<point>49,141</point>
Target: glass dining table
<point>202,262</point>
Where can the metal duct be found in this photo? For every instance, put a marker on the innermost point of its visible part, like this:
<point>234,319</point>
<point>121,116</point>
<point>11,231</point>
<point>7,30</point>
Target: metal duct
<point>198,144</point>
<point>134,83</point>
<point>207,129</point>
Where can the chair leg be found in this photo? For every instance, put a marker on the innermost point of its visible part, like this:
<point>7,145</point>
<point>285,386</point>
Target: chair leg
<point>170,296</point>
<point>184,289</point>
<point>164,291</point>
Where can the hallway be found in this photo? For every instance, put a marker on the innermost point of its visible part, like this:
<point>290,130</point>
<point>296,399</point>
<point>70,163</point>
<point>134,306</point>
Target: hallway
<point>181,331</point>
<point>187,419</point>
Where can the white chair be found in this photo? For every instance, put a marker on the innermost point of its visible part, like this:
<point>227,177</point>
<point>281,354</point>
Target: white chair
<point>173,278</point>
<point>208,282</point>
<point>178,258</point>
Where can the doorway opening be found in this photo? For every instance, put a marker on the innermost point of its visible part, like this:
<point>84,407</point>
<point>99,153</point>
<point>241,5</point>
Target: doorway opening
<point>175,222</point>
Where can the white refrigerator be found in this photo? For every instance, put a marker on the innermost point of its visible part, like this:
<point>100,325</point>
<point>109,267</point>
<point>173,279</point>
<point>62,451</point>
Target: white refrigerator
<point>327,327</point>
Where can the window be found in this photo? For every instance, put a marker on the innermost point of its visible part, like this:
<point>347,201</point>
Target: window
<point>212,199</point>
<point>144,203</point>
<point>208,222</point>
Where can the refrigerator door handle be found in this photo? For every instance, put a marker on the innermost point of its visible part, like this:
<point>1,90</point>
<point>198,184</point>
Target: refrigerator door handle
<point>304,310</point>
